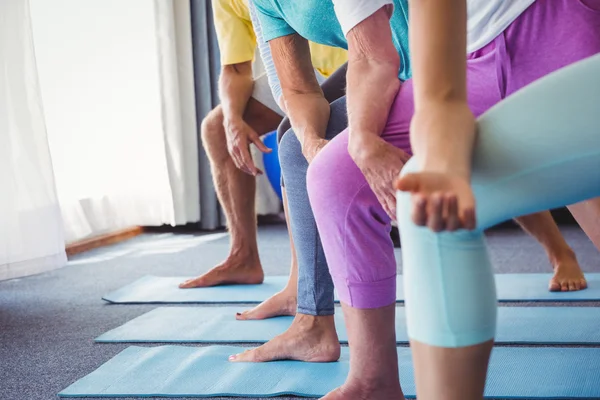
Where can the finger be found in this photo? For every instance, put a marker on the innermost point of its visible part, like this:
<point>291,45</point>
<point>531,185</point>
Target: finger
<point>468,218</point>
<point>452,220</point>
<point>260,145</point>
<point>247,160</point>
<point>240,164</point>
<point>408,183</point>
<point>419,209</point>
<point>236,158</point>
<point>435,221</point>
<point>390,199</point>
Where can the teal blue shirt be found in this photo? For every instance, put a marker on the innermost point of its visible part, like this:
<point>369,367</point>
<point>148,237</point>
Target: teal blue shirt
<point>315,20</point>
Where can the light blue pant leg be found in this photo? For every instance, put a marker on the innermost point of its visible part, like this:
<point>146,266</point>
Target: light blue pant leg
<point>539,149</point>
<point>315,286</point>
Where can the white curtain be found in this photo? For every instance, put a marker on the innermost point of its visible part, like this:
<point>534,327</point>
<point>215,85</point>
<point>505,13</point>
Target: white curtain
<point>117,85</point>
<point>31,235</point>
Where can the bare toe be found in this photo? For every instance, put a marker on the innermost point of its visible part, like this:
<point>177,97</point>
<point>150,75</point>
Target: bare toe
<point>568,276</point>
<point>280,304</point>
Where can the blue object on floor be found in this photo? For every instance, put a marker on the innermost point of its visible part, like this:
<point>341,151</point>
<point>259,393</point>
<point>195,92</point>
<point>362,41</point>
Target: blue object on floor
<point>162,290</point>
<point>155,289</point>
<point>178,371</point>
<point>271,162</point>
<point>516,325</point>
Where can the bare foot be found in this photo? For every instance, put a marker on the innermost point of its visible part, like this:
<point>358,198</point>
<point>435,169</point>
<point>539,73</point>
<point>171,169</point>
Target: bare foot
<point>309,338</point>
<point>357,391</point>
<point>235,270</point>
<point>281,303</point>
<point>568,276</point>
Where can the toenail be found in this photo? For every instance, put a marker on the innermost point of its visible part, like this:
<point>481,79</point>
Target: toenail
<point>231,358</point>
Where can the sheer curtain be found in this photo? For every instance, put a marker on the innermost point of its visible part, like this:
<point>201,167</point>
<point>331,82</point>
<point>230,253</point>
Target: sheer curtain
<point>117,86</point>
<point>31,235</point>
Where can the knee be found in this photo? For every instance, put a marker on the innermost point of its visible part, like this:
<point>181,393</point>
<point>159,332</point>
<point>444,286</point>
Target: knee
<point>283,127</point>
<point>332,179</point>
<point>212,132</point>
<point>290,154</point>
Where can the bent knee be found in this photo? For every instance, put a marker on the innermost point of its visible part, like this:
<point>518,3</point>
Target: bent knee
<point>334,181</point>
<point>212,131</point>
<point>290,152</point>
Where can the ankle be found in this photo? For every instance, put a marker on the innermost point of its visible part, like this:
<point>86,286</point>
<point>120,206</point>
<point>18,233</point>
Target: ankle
<point>364,388</point>
<point>561,256</point>
<point>314,322</point>
<point>245,254</point>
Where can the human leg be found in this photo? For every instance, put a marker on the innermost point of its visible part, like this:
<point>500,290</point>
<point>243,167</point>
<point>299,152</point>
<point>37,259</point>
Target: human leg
<point>568,275</point>
<point>312,335</point>
<point>536,151</point>
<point>374,363</point>
<point>587,215</point>
<point>236,192</point>
<point>285,302</point>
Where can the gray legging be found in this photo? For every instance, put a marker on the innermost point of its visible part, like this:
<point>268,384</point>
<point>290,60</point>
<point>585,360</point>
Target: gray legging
<point>315,287</point>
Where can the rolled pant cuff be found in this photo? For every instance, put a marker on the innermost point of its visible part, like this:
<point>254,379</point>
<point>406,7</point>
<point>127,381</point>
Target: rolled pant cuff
<point>366,294</point>
<point>316,313</point>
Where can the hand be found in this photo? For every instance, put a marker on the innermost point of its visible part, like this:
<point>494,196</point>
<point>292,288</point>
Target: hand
<point>311,147</point>
<point>380,163</point>
<point>442,197</point>
<point>239,136</point>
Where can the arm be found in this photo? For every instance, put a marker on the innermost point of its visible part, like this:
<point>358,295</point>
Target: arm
<point>373,65</point>
<point>303,98</point>
<point>443,127</point>
<point>438,37</point>
<point>235,89</point>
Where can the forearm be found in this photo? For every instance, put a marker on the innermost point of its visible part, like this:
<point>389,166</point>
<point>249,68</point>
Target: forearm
<point>438,32</point>
<point>308,113</point>
<point>235,88</point>
<point>303,99</point>
<point>372,87</point>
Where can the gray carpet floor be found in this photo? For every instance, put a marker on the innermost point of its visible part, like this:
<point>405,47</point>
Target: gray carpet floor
<point>48,322</point>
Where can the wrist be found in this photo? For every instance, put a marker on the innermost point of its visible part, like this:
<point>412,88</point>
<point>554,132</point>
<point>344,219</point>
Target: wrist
<point>362,146</point>
<point>442,137</point>
<point>231,120</point>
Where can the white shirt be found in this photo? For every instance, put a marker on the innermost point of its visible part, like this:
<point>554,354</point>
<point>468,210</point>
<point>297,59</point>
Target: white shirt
<point>489,18</point>
<point>486,18</point>
<point>352,12</point>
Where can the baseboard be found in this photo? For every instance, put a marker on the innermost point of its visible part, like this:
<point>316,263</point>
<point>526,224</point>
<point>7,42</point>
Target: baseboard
<point>103,240</point>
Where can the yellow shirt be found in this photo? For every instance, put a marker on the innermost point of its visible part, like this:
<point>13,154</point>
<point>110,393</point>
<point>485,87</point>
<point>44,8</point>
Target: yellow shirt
<point>237,41</point>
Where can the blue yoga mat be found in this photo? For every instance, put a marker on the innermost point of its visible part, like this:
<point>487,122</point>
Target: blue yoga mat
<point>162,290</point>
<point>516,325</point>
<point>178,371</point>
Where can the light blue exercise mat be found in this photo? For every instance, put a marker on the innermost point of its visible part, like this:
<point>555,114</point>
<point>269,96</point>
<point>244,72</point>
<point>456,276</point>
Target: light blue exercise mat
<point>516,325</point>
<point>178,371</point>
<point>162,290</point>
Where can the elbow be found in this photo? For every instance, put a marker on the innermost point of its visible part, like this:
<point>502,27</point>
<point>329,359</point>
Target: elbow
<point>243,68</point>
